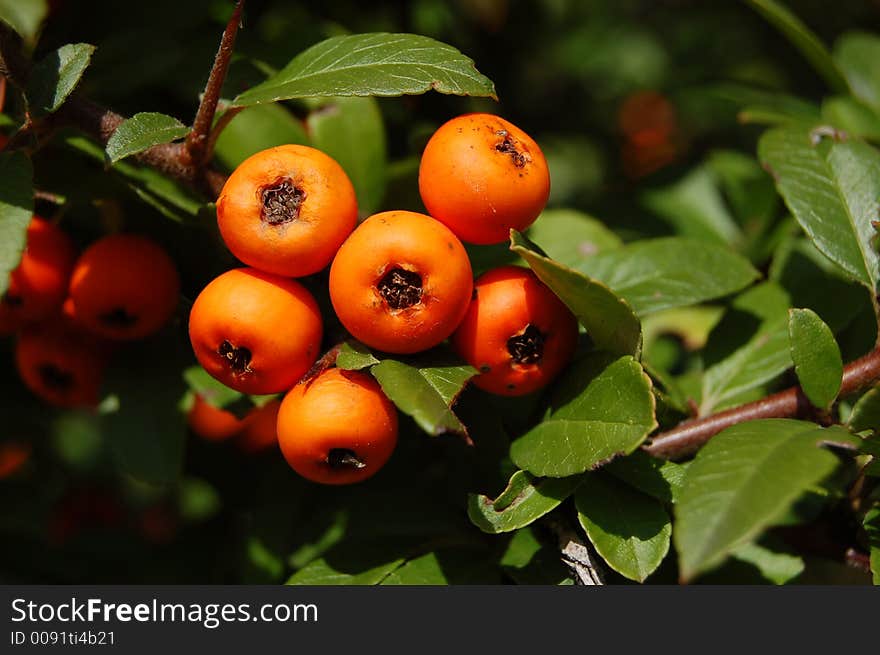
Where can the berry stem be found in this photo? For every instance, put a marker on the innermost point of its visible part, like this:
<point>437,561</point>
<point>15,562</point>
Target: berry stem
<point>198,139</point>
<point>686,438</point>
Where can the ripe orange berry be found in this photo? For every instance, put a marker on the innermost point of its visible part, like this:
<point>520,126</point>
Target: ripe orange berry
<point>516,332</point>
<point>481,176</point>
<point>123,287</point>
<point>255,332</point>
<point>60,365</point>
<point>337,428</point>
<point>13,455</point>
<point>401,282</point>
<point>38,286</point>
<point>212,423</point>
<point>261,428</point>
<point>286,210</point>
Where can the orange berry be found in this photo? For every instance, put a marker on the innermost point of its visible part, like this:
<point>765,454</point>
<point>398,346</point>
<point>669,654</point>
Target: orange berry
<point>255,332</point>
<point>337,428</point>
<point>286,210</point>
<point>13,455</point>
<point>261,428</point>
<point>123,287</point>
<point>516,332</point>
<point>401,282</point>
<point>481,176</point>
<point>38,285</point>
<point>212,423</point>
<point>60,365</point>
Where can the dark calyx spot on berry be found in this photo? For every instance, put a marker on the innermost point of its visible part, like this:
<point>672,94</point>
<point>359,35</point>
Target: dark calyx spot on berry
<point>54,377</point>
<point>400,288</point>
<point>507,146</point>
<point>527,347</point>
<point>239,359</point>
<point>12,300</point>
<point>341,458</point>
<point>281,201</point>
<point>118,318</point>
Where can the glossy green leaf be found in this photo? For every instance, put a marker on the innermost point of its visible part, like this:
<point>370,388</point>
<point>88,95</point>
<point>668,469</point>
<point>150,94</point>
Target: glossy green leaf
<point>760,316</point>
<point>525,500</point>
<point>141,132</point>
<point>376,64</point>
<point>55,77</point>
<point>865,413</point>
<point>570,237</point>
<point>351,563</point>
<point>759,106</point>
<point>833,189</point>
<point>740,483</point>
<point>660,479</point>
<point>802,38</point>
<point>695,207</point>
<point>448,566</point>
<point>352,132</point>
<point>851,116</point>
<point>146,432</point>
<point>16,209</point>
<point>777,567</point>
<point>426,389</point>
<point>529,561</point>
<point>658,274</point>
<point>255,129</point>
<point>24,16</point>
<point>630,530</point>
<point>599,411</point>
<point>816,357</point>
<point>858,56</point>
<point>354,356</point>
<point>608,319</point>
<point>212,391</point>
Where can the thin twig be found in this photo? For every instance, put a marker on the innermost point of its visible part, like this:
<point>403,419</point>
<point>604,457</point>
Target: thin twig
<point>197,139</point>
<point>324,362</point>
<point>222,123</point>
<point>686,438</point>
<point>575,553</point>
<point>858,560</point>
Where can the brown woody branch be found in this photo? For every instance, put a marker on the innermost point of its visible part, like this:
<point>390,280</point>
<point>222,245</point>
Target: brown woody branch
<point>197,150</point>
<point>686,438</point>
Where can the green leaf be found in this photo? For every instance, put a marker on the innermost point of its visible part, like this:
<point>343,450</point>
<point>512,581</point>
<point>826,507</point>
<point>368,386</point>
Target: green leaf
<point>695,207</point>
<point>16,210</point>
<point>378,64</point>
<point>657,274</point>
<point>833,190</point>
<point>851,116</point>
<point>352,132</point>
<point>871,525</point>
<point>141,132</point>
<point>658,478</point>
<point>631,531</point>
<point>858,56</point>
<point>777,567</point>
<point>802,38</point>
<point>609,320</point>
<point>212,391</point>
<point>55,77</point>
<point>24,16</point>
<point>146,432</point>
<point>571,237</point>
<point>765,355</point>
<point>530,562</point>
<point>740,483</point>
<point>525,500</point>
<point>599,411</point>
<point>767,107</point>
<point>865,413</point>
<point>816,357</point>
<point>426,388</point>
<point>256,129</point>
<point>449,566</point>
<point>354,356</point>
<point>351,563</point>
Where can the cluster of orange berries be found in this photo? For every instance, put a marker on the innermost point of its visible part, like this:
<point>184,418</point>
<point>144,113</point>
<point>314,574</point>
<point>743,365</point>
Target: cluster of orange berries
<point>400,282</point>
